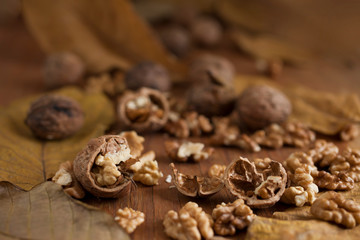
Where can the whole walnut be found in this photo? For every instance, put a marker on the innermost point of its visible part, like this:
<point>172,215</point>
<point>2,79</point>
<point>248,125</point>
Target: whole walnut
<point>63,69</point>
<point>206,31</point>
<point>260,106</point>
<point>148,74</point>
<point>176,39</point>
<point>208,68</point>
<point>54,117</point>
<point>211,99</point>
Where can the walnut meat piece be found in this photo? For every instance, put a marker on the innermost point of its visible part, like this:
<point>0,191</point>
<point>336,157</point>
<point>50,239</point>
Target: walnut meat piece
<point>144,110</point>
<point>329,181</point>
<point>102,166</point>
<point>259,106</point>
<point>231,216</point>
<point>295,195</point>
<point>146,170</point>
<point>66,178</point>
<point>333,207</point>
<point>195,186</point>
<point>53,117</point>
<point>349,132</point>
<point>187,151</point>
<point>260,188</point>
<point>348,163</point>
<point>134,141</point>
<point>149,75</point>
<point>217,170</point>
<point>189,224</point>
<point>129,219</point>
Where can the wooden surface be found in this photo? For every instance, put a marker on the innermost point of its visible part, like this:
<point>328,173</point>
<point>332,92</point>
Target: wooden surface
<point>20,75</point>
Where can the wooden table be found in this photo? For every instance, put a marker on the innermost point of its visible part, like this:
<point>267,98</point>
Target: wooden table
<point>21,74</point>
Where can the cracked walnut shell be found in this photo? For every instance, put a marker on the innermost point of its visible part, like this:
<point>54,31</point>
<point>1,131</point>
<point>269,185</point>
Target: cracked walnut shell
<point>195,186</point>
<point>102,166</point>
<point>187,151</point>
<point>129,219</point>
<point>231,216</point>
<point>259,188</point>
<point>144,110</point>
<point>332,206</point>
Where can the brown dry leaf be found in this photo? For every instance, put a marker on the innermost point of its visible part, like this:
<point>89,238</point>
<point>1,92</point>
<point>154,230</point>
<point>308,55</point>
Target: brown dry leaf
<point>270,48</point>
<point>324,112</point>
<point>26,161</point>
<point>46,212</point>
<point>104,34</point>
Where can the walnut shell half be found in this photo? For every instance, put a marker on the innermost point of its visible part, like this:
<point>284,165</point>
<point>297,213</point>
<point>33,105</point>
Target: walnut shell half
<point>260,188</point>
<point>143,110</point>
<point>196,186</point>
<point>88,166</point>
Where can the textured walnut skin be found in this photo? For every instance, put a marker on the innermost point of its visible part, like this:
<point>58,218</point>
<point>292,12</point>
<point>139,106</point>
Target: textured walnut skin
<point>148,74</point>
<point>84,162</point>
<point>260,106</point>
<point>242,177</point>
<point>152,123</point>
<point>54,117</point>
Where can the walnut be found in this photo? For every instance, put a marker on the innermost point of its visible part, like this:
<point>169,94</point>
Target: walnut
<point>206,68</point>
<point>187,151</point>
<point>110,83</point>
<point>102,166</point>
<point>134,141</point>
<point>63,69</point>
<point>332,206</point>
<point>148,75</point>
<point>129,219</point>
<point>260,188</point>
<point>329,181</point>
<point>196,186</point>
<point>260,106</point>
<point>176,40</point>
<point>231,216</point>
<point>349,132</point>
<point>298,160</point>
<point>53,117</point>
<point>303,177</point>
<point>228,134</point>
<point>217,170</point>
<point>295,195</point>
<point>144,110</point>
<point>146,170</point>
<point>323,152</point>
<point>66,178</point>
<point>177,126</point>
<point>206,31</point>
<point>190,224</point>
<point>289,133</point>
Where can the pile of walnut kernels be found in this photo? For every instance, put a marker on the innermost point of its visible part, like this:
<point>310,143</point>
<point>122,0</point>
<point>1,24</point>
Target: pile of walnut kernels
<point>256,119</point>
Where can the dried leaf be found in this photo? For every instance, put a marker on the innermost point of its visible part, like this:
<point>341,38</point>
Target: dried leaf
<point>104,34</point>
<point>27,161</point>
<point>324,112</point>
<point>269,48</point>
<point>46,212</point>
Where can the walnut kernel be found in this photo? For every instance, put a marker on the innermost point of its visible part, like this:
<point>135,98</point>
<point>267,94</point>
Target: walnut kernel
<point>129,219</point>
<point>187,151</point>
<point>146,170</point>
<point>217,170</point>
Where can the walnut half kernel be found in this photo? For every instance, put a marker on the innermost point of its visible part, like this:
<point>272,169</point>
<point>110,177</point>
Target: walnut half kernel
<point>129,219</point>
<point>196,186</point>
<point>187,151</point>
<point>189,224</point>
<point>146,170</point>
<point>259,187</point>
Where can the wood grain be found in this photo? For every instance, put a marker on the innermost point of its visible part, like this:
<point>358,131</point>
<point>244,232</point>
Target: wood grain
<point>20,69</point>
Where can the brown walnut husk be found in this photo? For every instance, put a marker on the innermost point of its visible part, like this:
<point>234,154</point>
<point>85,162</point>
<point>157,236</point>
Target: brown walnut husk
<point>242,177</point>
<point>196,186</point>
<point>85,160</point>
<point>54,117</point>
<point>146,121</point>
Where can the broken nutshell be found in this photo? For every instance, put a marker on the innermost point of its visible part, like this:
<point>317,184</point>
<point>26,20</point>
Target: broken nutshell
<point>144,110</point>
<point>148,74</point>
<point>53,117</point>
<point>259,188</point>
<point>184,151</point>
<point>196,186</point>
<point>102,167</point>
<point>259,106</point>
<point>63,69</point>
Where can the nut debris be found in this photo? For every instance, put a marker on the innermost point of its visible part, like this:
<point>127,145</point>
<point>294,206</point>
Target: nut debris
<point>187,151</point>
<point>146,170</point>
<point>189,224</point>
<point>231,216</point>
<point>333,207</point>
<point>129,219</point>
